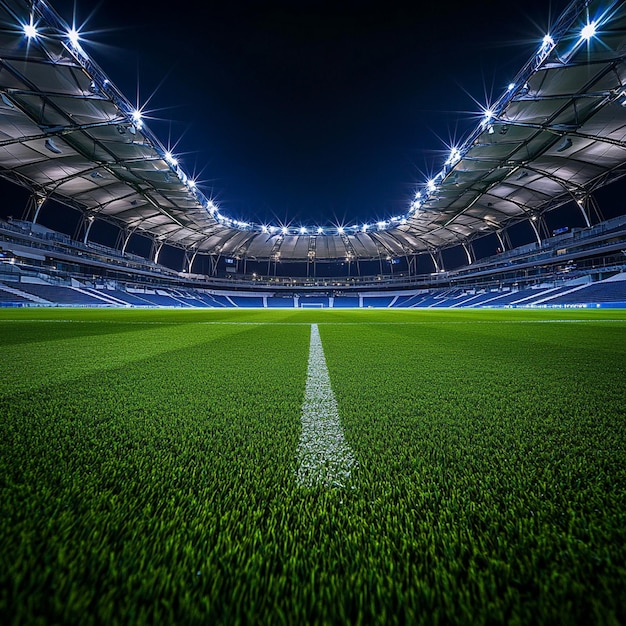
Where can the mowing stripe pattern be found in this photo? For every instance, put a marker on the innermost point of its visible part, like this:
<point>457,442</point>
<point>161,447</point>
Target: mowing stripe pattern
<point>325,459</point>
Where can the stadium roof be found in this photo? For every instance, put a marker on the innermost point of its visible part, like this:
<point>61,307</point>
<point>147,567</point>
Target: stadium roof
<point>556,135</point>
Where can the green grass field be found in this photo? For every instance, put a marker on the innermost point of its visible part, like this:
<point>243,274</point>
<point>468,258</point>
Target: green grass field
<point>148,467</point>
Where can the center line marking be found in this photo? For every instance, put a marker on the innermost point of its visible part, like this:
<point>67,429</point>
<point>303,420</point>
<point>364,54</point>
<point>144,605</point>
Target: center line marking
<point>325,458</point>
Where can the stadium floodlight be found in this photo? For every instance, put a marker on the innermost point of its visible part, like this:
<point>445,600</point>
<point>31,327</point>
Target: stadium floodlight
<point>488,115</point>
<point>191,183</point>
<point>303,230</point>
<point>365,227</point>
<point>284,230</point>
<point>588,31</point>
<point>381,225</point>
<point>30,30</point>
<point>171,159</point>
<point>548,43</point>
<point>340,230</point>
<point>431,185</point>
<point>320,230</point>
<point>454,157</point>
<point>511,86</point>
<point>73,36</point>
<point>137,118</point>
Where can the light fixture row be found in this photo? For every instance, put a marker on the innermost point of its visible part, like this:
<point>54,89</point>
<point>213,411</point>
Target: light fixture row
<point>427,190</point>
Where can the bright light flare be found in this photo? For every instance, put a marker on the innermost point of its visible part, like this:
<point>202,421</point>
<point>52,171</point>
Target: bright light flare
<point>30,31</point>
<point>588,31</point>
<point>74,37</point>
<point>137,118</point>
<point>454,157</point>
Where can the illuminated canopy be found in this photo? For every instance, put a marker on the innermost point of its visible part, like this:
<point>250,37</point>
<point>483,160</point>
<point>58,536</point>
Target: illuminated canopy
<point>557,134</point>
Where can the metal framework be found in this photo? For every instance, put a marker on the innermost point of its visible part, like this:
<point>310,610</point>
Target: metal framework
<point>555,136</point>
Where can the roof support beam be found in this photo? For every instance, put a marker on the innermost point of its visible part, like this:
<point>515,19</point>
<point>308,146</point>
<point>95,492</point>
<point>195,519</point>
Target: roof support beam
<point>502,238</point>
<point>54,131</point>
<point>33,206</point>
<point>469,252</point>
<point>564,130</point>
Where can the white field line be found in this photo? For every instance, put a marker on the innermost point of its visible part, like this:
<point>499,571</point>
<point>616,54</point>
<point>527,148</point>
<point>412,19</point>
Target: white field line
<point>325,459</point>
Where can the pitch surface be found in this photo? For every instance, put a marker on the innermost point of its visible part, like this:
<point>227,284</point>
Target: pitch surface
<point>149,468</point>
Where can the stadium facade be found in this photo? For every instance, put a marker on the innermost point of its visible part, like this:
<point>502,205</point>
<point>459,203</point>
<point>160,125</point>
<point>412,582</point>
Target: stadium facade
<point>554,141</point>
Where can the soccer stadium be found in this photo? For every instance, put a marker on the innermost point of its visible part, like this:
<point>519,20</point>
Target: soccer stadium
<point>415,418</point>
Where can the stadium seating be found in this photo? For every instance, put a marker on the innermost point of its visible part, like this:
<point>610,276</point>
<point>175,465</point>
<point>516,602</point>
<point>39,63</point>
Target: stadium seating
<point>602,292</point>
<point>476,300</point>
<point>160,298</point>
<point>377,302</point>
<point>190,299</point>
<point>7,298</point>
<point>345,302</point>
<point>573,293</point>
<point>247,301</point>
<point>58,294</point>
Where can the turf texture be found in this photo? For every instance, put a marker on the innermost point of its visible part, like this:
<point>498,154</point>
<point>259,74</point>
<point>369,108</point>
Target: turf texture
<point>148,468</point>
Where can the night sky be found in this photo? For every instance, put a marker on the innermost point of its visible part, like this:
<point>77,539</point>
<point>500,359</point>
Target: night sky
<point>309,112</point>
